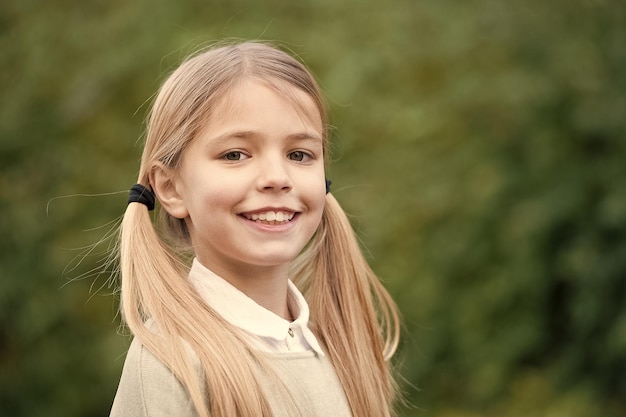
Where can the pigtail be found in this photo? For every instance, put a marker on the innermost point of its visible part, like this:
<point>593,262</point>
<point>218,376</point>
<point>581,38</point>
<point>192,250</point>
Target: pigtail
<point>354,316</point>
<point>143,255</point>
<point>175,325</point>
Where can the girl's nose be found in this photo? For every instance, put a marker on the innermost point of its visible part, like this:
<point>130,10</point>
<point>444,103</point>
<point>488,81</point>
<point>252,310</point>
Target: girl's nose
<point>274,176</point>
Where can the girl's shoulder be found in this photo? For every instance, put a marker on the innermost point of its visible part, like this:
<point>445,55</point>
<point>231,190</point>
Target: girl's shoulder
<point>149,388</point>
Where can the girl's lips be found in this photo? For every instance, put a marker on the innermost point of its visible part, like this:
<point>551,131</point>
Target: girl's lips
<point>278,216</point>
<point>273,225</point>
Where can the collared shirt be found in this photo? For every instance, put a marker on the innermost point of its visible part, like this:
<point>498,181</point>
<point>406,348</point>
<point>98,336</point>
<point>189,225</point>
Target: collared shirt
<point>268,332</point>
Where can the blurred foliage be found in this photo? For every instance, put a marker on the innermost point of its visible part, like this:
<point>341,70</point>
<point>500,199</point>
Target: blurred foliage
<point>480,146</point>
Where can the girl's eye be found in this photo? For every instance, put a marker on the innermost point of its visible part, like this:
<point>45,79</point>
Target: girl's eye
<point>234,156</point>
<point>298,156</point>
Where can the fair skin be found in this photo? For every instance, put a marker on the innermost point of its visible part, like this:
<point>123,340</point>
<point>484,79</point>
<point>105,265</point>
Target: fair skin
<point>251,188</point>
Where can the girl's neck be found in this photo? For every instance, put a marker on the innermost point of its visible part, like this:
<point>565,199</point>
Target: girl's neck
<point>267,286</point>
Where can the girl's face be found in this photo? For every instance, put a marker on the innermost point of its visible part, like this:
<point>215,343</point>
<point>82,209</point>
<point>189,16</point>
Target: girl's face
<point>251,186</point>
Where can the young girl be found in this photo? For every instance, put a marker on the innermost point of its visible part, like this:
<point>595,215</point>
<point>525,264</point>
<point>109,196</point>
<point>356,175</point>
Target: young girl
<point>235,153</point>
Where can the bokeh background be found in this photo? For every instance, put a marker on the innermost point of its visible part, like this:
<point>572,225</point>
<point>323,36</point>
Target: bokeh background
<point>479,147</point>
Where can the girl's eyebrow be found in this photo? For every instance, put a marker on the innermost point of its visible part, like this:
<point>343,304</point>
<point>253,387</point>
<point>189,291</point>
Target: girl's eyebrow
<point>306,135</point>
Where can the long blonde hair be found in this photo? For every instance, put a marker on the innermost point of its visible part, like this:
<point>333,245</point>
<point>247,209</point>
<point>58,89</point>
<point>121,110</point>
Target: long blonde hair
<point>351,313</point>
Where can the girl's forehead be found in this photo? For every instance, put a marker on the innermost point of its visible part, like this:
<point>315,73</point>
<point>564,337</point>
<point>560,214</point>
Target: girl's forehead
<point>238,95</point>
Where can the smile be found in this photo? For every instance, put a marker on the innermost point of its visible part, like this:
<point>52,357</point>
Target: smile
<point>270,217</point>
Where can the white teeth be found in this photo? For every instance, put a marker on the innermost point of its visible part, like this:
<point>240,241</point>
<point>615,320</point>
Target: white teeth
<point>271,216</point>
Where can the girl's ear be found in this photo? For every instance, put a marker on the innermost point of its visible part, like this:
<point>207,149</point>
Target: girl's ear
<point>164,185</point>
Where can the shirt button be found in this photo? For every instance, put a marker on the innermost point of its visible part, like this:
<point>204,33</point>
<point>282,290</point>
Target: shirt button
<point>290,332</point>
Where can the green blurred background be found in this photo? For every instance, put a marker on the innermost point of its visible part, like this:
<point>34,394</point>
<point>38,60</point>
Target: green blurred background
<point>479,146</point>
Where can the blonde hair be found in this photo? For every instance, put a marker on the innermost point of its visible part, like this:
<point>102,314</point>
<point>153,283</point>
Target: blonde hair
<point>352,314</point>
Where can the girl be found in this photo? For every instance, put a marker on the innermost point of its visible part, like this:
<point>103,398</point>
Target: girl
<point>235,151</point>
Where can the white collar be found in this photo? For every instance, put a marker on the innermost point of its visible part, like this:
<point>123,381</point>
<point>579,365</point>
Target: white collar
<point>241,311</point>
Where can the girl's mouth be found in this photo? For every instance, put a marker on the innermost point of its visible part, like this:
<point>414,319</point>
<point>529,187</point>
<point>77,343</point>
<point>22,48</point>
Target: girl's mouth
<point>270,217</point>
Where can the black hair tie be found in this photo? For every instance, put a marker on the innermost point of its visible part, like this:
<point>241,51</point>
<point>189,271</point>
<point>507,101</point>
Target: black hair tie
<point>140,194</point>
